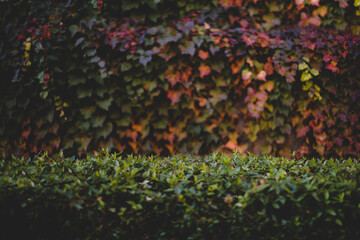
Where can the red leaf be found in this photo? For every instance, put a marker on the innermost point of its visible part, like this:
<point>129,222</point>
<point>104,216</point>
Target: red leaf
<point>315,21</point>
<point>303,150</point>
<point>26,133</point>
<point>268,67</point>
<point>301,132</point>
<point>327,58</point>
<point>248,40</point>
<point>174,96</point>
<point>263,39</point>
<point>204,70</point>
<point>332,66</point>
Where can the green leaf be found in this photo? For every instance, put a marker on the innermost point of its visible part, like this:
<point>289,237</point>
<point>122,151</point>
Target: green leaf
<point>104,131</point>
<point>83,92</point>
<point>305,76</point>
<point>73,30</point>
<point>302,66</point>
<point>314,72</point>
<point>338,222</point>
<point>87,111</point>
<point>98,121</point>
<point>125,66</point>
<point>130,4</point>
<point>161,124</point>
<point>76,80</point>
<point>44,94</point>
<point>331,212</point>
<point>104,103</point>
<point>124,122</point>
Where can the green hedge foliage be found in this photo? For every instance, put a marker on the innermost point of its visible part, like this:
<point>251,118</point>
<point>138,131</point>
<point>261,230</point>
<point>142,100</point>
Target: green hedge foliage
<point>181,197</point>
<point>166,76</point>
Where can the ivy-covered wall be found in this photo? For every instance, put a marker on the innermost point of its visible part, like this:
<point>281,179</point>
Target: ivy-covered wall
<point>170,76</point>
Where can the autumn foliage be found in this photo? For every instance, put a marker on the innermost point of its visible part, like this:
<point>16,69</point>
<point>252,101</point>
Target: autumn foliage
<point>263,76</point>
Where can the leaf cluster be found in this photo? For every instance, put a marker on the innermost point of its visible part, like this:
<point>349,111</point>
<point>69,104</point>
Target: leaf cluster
<point>181,197</point>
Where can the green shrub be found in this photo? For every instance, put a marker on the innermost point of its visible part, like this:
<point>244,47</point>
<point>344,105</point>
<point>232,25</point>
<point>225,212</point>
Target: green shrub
<point>180,197</point>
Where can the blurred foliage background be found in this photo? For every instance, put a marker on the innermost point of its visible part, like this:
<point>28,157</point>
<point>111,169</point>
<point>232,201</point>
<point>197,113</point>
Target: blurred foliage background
<point>166,76</point>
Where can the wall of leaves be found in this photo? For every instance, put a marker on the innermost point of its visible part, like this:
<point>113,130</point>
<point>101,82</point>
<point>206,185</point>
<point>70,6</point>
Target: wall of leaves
<point>166,76</point>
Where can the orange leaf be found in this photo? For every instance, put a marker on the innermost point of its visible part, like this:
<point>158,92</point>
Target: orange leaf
<point>170,147</point>
<point>226,3</point>
<point>203,55</point>
<point>137,127</point>
<point>204,70</point>
<point>134,147</point>
<point>131,134</point>
<point>269,86</point>
<point>231,144</point>
<point>202,101</point>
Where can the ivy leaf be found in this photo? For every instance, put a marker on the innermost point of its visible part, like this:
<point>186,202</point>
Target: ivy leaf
<point>261,76</point>
<point>302,66</point>
<point>98,121</point>
<point>128,5</point>
<point>104,103</point>
<point>315,2</point>
<point>76,80</point>
<point>204,70</point>
<point>302,131</point>
<point>314,72</point>
<point>84,92</point>
<point>160,124</point>
<point>145,59</point>
<point>73,30</point>
<point>246,74</point>
<point>79,41</point>
<point>87,111</point>
<point>124,121</point>
<point>174,96</point>
<point>101,64</point>
<point>125,66</point>
<point>105,131</point>
<point>188,48</point>
<point>332,66</point>
<point>231,144</point>
<point>306,76</point>
<point>203,55</point>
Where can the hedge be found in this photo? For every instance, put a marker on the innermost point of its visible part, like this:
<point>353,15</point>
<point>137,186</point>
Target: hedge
<point>180,197</point>
<point>172,76</point>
